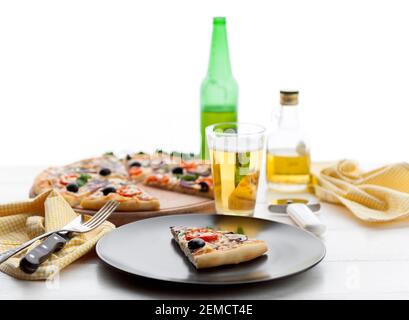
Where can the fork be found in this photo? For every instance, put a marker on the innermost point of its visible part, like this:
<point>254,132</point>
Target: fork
<point>77,225</point>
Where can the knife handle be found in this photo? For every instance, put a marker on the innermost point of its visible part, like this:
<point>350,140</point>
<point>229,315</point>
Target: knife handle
<point>305,218</point>
<point>33,259</point>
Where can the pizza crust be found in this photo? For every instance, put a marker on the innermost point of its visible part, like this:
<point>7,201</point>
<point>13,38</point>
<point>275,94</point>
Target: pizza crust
<point>208,194</point>
<point>125,203</point>
<point>42,182</point>
<point>177,188</point>
<point>245,252</point>
<point>73,200</point>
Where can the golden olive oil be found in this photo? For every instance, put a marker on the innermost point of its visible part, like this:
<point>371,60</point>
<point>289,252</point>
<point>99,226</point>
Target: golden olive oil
<point>235,176</point>
<point>288,154</point>
<point>288,171</point>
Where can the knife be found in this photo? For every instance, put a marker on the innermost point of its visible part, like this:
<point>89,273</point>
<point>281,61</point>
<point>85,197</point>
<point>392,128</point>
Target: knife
<point>55,242</point>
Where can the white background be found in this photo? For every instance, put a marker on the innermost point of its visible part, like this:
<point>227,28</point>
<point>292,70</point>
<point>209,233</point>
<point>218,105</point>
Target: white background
<point>78,78</point>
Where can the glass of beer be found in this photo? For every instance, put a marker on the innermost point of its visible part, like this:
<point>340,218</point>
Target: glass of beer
<point>236,151</point>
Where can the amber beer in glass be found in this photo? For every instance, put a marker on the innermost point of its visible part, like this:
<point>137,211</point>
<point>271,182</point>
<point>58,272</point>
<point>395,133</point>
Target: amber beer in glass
<point>236,151</point>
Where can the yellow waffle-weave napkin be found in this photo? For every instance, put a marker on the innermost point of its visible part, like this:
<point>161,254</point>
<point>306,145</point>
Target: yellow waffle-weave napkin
<point>22,221</point>
<point>379,195</point>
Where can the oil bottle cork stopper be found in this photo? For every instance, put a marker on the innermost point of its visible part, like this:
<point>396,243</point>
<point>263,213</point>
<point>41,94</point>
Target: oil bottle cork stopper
<point>289,97</point>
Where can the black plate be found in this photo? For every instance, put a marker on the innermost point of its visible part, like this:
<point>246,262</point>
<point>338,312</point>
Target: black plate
<point>146,248</point>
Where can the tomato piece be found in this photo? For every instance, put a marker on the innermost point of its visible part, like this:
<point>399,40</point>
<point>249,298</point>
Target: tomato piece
<point>209,237</point>
<point>164,180</point>
<point>188,165</point>
<point>127,192</point>
<point>135,171</point>
<point>206,236</point>
<point>151,179</point>
<point>68,178</point>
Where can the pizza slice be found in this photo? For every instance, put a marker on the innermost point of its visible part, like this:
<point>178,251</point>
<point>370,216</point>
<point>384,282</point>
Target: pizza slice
<point>207,247</point>
<point>108,166</point>
<point>192,177</point>
<point>138,165</point>
<point>75,192</point>
<point>130,196</point>
<point>71,184</point>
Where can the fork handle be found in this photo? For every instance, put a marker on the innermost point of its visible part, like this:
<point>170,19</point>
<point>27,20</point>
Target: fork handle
<point>35,257</point>
<point>9,253</point>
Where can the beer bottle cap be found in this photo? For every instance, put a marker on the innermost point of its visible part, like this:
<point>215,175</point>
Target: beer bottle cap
<point>289,97</point>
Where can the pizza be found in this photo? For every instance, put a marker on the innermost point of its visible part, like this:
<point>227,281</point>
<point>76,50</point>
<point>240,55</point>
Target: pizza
<point>208,247</point>
<point>91,182</point>
<point>186,176</point>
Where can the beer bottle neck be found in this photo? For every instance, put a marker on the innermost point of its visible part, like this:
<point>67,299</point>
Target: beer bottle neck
<point>219,63</point>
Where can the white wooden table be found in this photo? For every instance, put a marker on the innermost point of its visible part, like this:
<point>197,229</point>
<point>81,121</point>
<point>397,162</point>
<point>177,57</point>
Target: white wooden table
<point>362,262</point>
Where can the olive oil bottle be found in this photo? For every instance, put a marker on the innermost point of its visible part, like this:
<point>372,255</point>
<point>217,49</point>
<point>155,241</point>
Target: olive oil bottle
<point>219,90</point>
<point>288,155</point>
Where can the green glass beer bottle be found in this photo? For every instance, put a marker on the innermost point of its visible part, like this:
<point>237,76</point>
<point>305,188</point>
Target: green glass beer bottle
<point>219,90</point>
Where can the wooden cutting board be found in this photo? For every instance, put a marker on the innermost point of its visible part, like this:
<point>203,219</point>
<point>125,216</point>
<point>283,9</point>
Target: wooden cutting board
<point>171,203</point>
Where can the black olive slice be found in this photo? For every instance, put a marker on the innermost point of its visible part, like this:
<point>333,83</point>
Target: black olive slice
<point>196,243</point>
<point>177,170</point>
<point>135,164</point>
<point>204,187</point>
<point>105,172</point>
<point>108,190</point>
<point>72,187</point>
